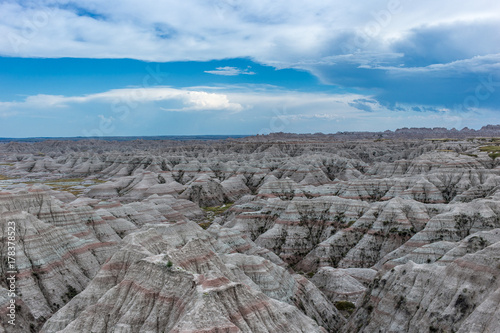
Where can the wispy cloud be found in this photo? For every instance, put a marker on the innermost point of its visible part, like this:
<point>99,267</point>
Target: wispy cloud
<point>230,71</point>
<point>477,64</point>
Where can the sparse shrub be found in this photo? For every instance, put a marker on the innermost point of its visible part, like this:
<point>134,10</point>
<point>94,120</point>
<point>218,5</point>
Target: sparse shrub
<point>345,306</point>
<point>205,225</point>
<point>72,292</point>
<point>494,155</point>
<point>308,195</point>
<point>462,304</point>
<point>401,301</point>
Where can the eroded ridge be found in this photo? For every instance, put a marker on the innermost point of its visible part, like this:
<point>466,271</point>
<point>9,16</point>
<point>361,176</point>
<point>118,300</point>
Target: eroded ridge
<point>279,233</point>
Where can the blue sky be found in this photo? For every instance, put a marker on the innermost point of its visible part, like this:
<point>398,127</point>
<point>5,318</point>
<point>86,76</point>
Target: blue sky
<point>88,68</point>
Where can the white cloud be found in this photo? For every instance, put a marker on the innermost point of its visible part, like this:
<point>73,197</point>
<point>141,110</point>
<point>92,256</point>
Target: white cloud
<point>279,33</point>
<point>256,110</point>
<point>230,71</point>
<point>190,100</point>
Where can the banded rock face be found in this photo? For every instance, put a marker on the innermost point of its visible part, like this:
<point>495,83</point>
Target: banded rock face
<point>157,284</point>
<point>454,224</point>
<point>278,283</point>
<point>24,320</point>
<point>339,211</point>
<point>138,186</point>
<point>154,209</point>
<point>205,191</point>
<point>342,284</point>
<point>60,247</point>
<point>58,251</point>
<point>460,296</point>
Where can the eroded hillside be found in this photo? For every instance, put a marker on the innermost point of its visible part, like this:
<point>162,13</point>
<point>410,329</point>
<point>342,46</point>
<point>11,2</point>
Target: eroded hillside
<point>265,234</point>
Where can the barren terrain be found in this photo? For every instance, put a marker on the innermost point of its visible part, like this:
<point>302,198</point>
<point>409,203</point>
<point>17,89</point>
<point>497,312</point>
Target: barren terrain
<point>354,232</point>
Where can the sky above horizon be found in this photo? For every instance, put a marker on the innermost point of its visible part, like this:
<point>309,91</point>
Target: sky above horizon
<point>130,68</point>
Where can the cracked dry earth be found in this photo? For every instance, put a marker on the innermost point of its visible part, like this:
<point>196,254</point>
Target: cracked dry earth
<point>268,235</point>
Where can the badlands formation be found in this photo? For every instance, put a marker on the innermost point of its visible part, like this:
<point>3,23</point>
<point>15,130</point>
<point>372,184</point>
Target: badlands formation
<point>387,232</point>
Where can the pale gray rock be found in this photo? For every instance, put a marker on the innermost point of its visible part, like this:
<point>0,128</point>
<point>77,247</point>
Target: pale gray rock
<point>338,285</point>
<point>206,293</point>
<point>352,210</point>
<point>432,297</point>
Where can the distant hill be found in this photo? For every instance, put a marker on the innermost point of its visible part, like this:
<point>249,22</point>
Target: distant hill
<point>401,133</point>
<point>127,138</point>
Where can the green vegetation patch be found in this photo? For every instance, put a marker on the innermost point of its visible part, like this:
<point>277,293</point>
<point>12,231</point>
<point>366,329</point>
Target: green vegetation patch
<point>71,185</point>
<point>66,180</point>
<point>205,225</point>
<point>345,306</point>
<point>66,185</point>
<point>494,155</point>
<point>212,212</point>
<point>441,140</point>
<point>490,148</point>
<point>493,151</point>
<point>72,292</point>
<point>218,210</point>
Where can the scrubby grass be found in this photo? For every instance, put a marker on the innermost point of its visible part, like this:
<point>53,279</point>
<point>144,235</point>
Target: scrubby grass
<point>68,188</point>
<point>218,210</point>
<point>490,148</point>
<point>494,155</point>
<point>205,225</point>
<point>212,212</point>
<point>71,292</point>
<point>493,151</point>
<point>345,306</point>
<point>63,184</point>
<point>66,180</point>
<point>68,184</point>
<point>441,140</point>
